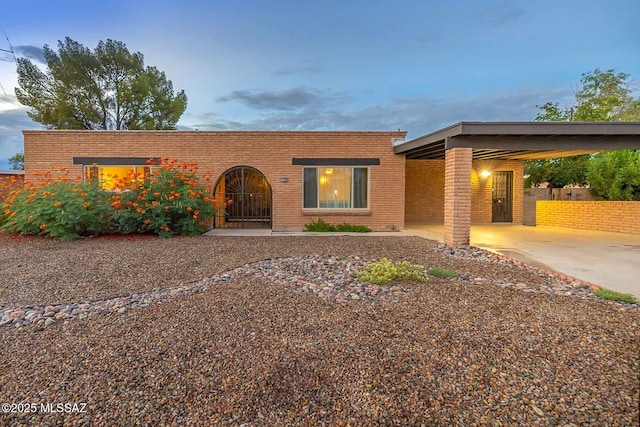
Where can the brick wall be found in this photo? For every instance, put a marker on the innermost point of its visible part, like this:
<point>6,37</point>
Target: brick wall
<point>10,181</point>
<point>621,217</point>
<point>424,190</point>
<point>269,152</point>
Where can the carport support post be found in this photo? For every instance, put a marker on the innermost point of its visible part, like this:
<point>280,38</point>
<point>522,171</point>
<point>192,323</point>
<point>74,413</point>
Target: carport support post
<point>457,196</point>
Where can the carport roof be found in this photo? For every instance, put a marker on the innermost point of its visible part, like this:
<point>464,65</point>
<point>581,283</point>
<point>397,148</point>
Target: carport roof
<point>524,140</point>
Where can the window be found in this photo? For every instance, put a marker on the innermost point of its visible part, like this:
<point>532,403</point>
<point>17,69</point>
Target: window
<point>335,187</point>
<point>116,177</point>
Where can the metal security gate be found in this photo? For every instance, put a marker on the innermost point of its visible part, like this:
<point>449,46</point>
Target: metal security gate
<point>502,197</point>
<point>245,194</point>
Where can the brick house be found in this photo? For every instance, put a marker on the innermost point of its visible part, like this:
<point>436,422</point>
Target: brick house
<point>467,172</point>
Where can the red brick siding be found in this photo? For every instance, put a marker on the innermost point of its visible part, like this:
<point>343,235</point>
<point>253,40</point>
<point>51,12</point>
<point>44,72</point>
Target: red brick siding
<point>620,217</point>
<point>269,152</point>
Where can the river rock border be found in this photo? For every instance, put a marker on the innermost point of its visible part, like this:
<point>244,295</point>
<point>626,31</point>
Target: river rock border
<point>329,277</point>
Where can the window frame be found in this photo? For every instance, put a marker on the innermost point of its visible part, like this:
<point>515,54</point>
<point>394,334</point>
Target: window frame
<point>100,181</point>
<point>352,192</point>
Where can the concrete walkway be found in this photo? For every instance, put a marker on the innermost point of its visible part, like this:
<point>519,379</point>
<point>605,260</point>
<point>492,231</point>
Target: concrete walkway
<point>610,260</point>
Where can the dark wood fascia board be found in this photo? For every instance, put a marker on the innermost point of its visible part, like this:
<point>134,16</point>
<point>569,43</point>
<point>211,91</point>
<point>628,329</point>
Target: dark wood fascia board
<point>338,161</point>
<point>113,161</point>
<point>520,129</point>
<point>550,143</point>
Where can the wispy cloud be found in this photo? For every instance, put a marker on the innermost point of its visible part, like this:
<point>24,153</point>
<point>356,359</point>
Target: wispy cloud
<point>30,52</point>
<point>286,100</point>
<point>418,115</point>
<point>299,69</point>
<point>502,13</point>
<point>13,119</point>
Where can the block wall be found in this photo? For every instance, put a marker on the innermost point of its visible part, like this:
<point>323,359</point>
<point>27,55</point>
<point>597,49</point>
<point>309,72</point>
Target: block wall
<point>620,217</point>
<point>8,182</point>
<point>424,191</point>
<point>269,152</point>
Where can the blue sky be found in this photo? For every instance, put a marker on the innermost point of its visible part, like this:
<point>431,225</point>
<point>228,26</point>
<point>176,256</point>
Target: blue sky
<point>347,64</point>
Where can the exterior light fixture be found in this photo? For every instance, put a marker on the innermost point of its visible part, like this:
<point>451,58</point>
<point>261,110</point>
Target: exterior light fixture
<point>323,180</point>
<point>485,174</point>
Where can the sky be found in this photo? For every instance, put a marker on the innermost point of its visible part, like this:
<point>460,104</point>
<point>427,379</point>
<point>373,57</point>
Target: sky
<point>416,65</point>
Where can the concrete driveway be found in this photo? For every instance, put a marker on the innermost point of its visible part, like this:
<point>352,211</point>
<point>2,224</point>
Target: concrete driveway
<point>610,260</point>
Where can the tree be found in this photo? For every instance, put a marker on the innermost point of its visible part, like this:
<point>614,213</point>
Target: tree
<point>604,96</point>
<point>108,88</point>
<point>558,172</point>
<point>17,161</point>
<point>615,175</point>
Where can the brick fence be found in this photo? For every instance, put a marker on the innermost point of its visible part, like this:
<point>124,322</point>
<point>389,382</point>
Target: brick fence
<point>621,217</point>
<point>10,180</point>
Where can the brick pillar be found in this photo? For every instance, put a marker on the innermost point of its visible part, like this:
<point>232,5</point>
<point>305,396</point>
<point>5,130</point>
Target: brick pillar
<point>457,196</point>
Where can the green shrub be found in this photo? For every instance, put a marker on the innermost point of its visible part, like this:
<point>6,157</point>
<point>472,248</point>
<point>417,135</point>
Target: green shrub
<point>442,272</point>
<point>58,209</point>
<point>614,296</point>
<point>170,203</point>
<point>319,226</point>
<point>352,228</point>
<point>385,271</point>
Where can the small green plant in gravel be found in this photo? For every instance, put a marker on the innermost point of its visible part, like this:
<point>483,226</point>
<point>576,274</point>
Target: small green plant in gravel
<point>614,296</point>
<point>385,271</point>
<point>442,272</point>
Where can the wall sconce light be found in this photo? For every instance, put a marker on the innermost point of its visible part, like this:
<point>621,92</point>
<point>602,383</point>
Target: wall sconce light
<point>485,174</point>
<point>323,180</point>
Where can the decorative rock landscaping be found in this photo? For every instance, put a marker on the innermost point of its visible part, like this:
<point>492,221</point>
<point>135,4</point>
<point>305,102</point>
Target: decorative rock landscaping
<point>282,334</point>
<point>329,277</point>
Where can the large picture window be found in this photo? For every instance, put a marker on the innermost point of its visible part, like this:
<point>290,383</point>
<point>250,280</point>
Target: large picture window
<point>335,187</point>
<point>116,177</point>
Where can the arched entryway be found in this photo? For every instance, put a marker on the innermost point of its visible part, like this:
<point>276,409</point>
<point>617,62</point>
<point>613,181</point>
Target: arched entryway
<point>246,193</point>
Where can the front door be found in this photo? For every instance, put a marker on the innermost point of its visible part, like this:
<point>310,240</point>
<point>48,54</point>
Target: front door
<point>502,195</point>
<point>245,194</point>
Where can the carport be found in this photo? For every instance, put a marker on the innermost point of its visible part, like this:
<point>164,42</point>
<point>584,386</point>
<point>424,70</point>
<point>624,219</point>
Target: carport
<point>460,144</point>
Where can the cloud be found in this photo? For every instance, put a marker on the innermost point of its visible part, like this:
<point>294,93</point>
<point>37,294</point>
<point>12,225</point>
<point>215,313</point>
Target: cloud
<point>286,100</point>
<point>301,69</point>
<point>30,52</point>
<point>418,114</point>
<point>13,119</point>
<point>501,14</point>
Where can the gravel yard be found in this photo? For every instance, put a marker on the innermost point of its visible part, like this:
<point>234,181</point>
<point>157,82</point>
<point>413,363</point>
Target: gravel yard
<point>280,342</point>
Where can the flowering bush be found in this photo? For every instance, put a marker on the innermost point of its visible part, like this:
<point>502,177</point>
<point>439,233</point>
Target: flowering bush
<point>56,208</point>
<point>167,203</point>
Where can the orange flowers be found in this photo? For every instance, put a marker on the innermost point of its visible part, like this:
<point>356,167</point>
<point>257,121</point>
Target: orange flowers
<point>43,227</point>
<point>57,204</point>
